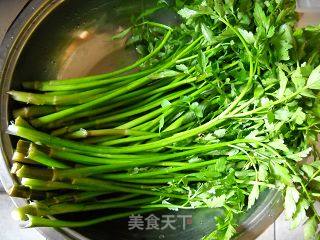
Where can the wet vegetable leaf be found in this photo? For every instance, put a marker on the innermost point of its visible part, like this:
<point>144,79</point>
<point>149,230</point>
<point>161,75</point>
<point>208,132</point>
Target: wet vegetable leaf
<point>290,201</point>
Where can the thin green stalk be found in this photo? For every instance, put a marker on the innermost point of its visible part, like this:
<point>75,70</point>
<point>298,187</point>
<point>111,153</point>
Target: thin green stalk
<point>269,105</point>
<point>21,152</point>
<point>106,142</point>
<point>26,193</point>
<point>210,52</point>
<point>178,122</point>
<point>26,171</point>
<point>70,99</point>
<point>35,111</point>
<point>82,133</point>
<point>86,160</point>
<point>122,80</point>
<point>15,167</point>
<point>40,157</point>
<point>62,208</point>
<point>161,171</point>
<point>120,198</point>
<point>47,139</point>
<point>148,181</point>
<point>137,122</point>
<point>65,85</point>
<point>120,101</point>
<point>176,167</point>
<point>123,115</point>
<point>140,94</point>
<point>58,115</point>
<point>41,185</point>
<point>163,180</point>
<point>73,197</point>
<point>36,221</point>
<point>171,206</point>
<point>54,152</point>
<point>251,73</point>
<point>146,126</point>
<point>88,171</point>
<point>170,164</point>
<point>153,125</point>
<point>23,123</point>
<point>67,92</point>
<point>104,185</point>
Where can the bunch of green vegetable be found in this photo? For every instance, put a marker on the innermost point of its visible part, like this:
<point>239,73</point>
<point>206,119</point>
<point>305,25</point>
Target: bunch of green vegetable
<point>223,106</point>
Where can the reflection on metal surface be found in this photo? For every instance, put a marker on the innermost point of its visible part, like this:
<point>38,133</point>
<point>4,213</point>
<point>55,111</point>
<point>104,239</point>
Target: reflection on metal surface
<point>9,10</point>
<point>84,34</point>
<point>93,53</point>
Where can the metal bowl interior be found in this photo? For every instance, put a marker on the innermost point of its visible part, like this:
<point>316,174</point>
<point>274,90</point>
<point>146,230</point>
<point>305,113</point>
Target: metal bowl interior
<point>61,39</point>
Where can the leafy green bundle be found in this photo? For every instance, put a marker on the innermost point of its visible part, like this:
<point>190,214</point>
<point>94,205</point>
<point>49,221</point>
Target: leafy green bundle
<point>223,107</point>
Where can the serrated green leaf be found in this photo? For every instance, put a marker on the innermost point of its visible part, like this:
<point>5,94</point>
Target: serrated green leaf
<point>216,202</point>
<point>271,32</point>
<point>180,3</point>
<point>207,33</point>
<point>299,156</point>
<point>308,169</point>
<point>310,228</point>
<point>298,80</point>
<point>278,144</point>
<point>140,49</point>
<point>219,133</point>
<point>298,116</point>
<point>300,214</point>
<point>253,196</point>
<point>196,109</point>
<point>283,43</point>
<point>182,68</point>
<point>296,179</point>
<point>308,93</point>
<point>170,206</point>
<point>283,114</point>
<point>260,17</point>
<point>248,36</point>
<point>315,164</point>
<point>230,232</point>
<point>164,74</point>
<point>165,103</point>
<point>290,201</point>
<point>281,173</point>
<point>219,7</point>
<point>314,79</point>
<point>263,172</point>
<point>254,135</point>
<point>161,123</point>
<point>230,4</point>
<point>283,80</point>
<point>220,165</point>
<point>258,91</point>
<point>187,13</point>
<point>202,61</point>
<point>282,48</point>
<point>122,34</point>
<point>271,117</point>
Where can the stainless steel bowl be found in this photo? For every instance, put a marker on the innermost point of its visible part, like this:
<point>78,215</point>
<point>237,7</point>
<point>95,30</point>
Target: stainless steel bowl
<point>64,38</point>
